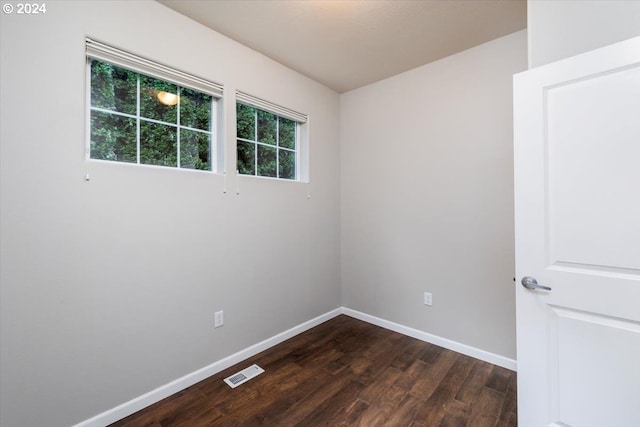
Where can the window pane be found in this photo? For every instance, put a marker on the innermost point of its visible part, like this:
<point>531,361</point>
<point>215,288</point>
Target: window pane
<point>266,161</point>
<point>195,109</point>
<point>158,144</point>
<point>246,120</point>
<point>287,131</point>
<point>246,158</point>
<point>274,149</point>
<point>113,137</point>
<point>194,150</point>
<point>158,100</point>
<point>287,164</point>
<point>113,88</point>
<point>266,127</point>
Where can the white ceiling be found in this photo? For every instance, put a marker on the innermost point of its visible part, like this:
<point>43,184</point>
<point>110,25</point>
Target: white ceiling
<point>346,44</point>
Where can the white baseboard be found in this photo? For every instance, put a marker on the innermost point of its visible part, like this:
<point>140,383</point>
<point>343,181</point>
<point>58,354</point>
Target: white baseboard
<point>141,402</point>
<point>486,356</point>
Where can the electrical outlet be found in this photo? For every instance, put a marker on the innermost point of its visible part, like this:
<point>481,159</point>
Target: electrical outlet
<point>218,319</point>
<point>428,299</point>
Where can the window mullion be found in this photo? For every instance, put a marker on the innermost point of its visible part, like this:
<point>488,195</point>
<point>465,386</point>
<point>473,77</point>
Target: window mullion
<point>277,147</point>
<point>297,151</point>
<point>115,113</point>
<point>255,145</point>
<point>138,118</point>
<point>160,122</point>
<point>178,128</point>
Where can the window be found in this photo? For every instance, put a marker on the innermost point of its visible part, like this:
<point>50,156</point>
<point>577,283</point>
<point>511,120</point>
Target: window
<point>267,139</point>
<point>144,118</point>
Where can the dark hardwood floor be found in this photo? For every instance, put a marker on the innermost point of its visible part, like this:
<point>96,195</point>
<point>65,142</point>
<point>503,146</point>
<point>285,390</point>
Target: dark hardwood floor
<point>346,372</point>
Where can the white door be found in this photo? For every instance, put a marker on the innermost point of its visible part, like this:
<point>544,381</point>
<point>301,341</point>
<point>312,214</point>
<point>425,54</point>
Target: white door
<point>577,211</point>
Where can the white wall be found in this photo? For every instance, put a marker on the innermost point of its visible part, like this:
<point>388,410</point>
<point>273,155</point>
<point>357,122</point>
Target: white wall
<point>427,196</point>
<point>109,286</point>
<point>560,29</point>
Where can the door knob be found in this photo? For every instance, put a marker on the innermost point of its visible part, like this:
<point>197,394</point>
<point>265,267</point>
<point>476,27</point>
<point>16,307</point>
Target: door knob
<point>531,283</point>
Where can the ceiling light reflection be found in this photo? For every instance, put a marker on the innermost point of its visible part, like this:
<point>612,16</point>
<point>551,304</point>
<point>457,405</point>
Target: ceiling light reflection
<point>167,98</point>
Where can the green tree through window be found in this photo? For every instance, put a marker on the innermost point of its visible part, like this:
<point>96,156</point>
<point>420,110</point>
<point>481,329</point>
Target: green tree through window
<point>266,143</point>
<point>140,119</point>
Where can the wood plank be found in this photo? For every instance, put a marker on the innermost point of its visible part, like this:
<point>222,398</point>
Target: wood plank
<point>433,375</point>
<point>509,410</point>
<point>412,349</point>
<point>456,414</point>
<point>475,382</point>
<point>412,375</point>
<point>346,372</point>
<point>431,353</point>
<point>375,390</point>
<point>433,410</point>
<point>333,411</point>
<point>486,410</point>
<point>498,379</point>
<point>325,389</point>
<point>405,412</point>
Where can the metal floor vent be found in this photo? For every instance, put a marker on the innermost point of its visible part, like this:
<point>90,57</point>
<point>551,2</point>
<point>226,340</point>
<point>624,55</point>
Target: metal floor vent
<point>243,376</point>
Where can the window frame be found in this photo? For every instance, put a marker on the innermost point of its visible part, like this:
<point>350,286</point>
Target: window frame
<point>301,122</point>
<point>96,50</point>
<point>277,147</point>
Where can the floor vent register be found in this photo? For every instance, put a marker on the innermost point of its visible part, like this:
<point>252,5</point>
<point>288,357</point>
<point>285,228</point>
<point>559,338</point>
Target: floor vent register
<point>243,376</point>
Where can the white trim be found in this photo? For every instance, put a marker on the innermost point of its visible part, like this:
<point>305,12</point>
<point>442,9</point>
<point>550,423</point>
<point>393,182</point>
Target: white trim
<point>104,52</point>
<point>474,352</point>
<point>134,405</point>
<point>264,105</point>
<point>124,410</point>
